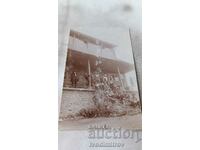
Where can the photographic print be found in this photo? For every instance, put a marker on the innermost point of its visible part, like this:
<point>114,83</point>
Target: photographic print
<point>99,84</point>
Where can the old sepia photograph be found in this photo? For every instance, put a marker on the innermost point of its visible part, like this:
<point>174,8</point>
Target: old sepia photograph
<point>100,83</point>
<point>99,74</point>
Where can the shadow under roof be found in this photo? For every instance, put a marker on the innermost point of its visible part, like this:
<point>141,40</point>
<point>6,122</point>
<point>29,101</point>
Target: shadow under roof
<point>91,39</point>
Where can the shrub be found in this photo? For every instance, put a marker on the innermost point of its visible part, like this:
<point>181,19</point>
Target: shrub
<point>95,112</point>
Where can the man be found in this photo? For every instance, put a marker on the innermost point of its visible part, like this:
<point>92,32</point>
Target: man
<point>74,79</point>
<point>87,78</point>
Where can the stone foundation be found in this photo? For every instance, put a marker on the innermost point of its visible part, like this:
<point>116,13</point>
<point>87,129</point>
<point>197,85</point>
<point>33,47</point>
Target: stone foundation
<point>73,100</point>
<point>76,99</point>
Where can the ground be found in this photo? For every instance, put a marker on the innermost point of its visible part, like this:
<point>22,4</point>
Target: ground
<point>126,122</point>
<point>73,135</point>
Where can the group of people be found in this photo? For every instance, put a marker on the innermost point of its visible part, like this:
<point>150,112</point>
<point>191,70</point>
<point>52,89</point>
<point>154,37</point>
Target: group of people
<point>105,85</point>
<point>105,80</point>
<point>75,77</point>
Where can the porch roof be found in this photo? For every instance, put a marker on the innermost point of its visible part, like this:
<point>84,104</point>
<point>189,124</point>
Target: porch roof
<point>80,61</point>
<point>91,39</point>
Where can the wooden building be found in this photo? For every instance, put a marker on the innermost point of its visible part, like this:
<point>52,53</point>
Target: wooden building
<point>83,53</point>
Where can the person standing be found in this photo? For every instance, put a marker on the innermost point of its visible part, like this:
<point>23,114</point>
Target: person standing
<point>74,79</point>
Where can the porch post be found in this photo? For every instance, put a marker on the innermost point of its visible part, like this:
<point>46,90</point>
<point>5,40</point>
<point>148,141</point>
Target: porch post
<point>120,78</point>
<point>89,74</point>
<point>125,81</point>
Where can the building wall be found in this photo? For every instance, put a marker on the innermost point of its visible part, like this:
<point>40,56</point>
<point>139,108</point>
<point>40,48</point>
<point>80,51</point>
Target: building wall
<point>90,48</point>
<point>74,100</point>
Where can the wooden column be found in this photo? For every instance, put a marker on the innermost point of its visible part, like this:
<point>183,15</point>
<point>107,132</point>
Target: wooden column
<point>89,70</point>
<point>89,74</point>
<point>120,78</point>
<point>125,81</point>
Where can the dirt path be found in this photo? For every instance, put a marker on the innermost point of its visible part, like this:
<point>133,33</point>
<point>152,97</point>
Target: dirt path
<point>126,122</point>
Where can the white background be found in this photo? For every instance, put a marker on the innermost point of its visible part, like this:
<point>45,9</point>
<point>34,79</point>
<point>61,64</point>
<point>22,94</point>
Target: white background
<point>28,77</point>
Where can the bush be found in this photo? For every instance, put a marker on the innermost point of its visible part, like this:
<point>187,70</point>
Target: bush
<point>87,113</point>
<point>135,104</point>
<point>94,112</point>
